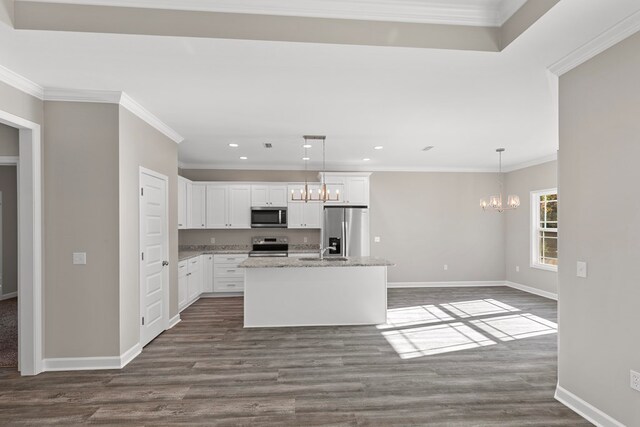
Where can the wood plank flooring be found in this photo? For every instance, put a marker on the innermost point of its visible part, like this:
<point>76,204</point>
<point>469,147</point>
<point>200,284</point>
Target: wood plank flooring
<point>450,357</point>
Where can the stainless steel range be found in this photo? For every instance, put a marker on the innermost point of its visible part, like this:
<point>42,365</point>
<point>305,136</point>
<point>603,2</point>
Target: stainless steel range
<point>269,247</point>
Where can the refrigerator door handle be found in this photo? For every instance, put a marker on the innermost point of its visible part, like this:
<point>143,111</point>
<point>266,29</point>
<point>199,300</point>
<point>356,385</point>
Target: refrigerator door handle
<point>345,239</point>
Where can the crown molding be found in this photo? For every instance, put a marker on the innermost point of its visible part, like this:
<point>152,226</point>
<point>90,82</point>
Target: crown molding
<point>21,83</point>
<point>330,168</point>
<point>534,162</point>
<point>620,31</point>
<point>113,97</point>
<point>416,11</point>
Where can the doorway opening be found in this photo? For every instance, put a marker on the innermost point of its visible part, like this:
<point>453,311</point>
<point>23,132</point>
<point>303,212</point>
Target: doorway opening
<point>8,253</point>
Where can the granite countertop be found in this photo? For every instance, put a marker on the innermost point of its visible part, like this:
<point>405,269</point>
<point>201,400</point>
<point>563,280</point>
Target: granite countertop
<point>186,252</point>
<point>285,262</point>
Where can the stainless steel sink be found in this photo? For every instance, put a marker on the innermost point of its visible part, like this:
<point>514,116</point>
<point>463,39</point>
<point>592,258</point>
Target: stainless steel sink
<point>324,259</point>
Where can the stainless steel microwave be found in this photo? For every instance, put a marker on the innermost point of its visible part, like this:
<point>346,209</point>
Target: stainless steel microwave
<point>268,217</point>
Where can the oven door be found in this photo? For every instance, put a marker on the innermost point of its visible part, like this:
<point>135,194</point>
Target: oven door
<point>268,218</point>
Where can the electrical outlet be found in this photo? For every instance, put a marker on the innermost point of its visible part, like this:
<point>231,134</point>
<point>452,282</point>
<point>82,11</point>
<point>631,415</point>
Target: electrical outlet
<point>213,240</point>
<point>306,239</point>
<point>581,269</point>
<point>517,269</point>
<point>79,258</point>
<point>635,380</point>
<point>376,239</point>
<point>446,267</point>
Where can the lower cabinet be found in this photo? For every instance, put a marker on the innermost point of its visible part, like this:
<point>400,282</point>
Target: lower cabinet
<point>227,277</point>
<point>190,281</point>
<point>207,269</point>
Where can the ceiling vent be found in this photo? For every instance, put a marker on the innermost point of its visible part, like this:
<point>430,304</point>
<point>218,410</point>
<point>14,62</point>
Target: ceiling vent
<point>427,148</point>
<point>268,145</point>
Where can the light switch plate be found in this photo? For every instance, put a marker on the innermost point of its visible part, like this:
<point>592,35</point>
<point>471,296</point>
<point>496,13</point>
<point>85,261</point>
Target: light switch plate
<point>581,269</point>
<point>517,269</point>
<point>376,239</point>
<point>213,240</point>
<point>79,258</point>
<point>306,239</point>
<point>635,380</point>
<point>446,267</point>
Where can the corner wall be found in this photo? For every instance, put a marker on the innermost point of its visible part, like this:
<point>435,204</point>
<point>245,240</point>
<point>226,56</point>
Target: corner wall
<point>600,214</point>
<point>518,226</point>
<point>142,145</point>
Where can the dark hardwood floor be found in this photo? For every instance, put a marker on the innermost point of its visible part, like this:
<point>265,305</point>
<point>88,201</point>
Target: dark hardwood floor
<point>449,357</point>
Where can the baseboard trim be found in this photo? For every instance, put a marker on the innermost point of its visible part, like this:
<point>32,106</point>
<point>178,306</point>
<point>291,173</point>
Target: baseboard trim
<point>174,321</point>
<point>532,290</point>
<point>8,296</point>
<point>221,294</point>
<point>444,284</point>
<point>92,363</point>
<point>585,409</point>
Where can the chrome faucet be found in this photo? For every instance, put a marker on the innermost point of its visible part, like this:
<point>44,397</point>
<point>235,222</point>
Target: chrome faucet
<point>323,251</point>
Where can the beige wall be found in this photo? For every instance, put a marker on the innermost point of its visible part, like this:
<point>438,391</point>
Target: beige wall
<point>428,219</point>
<point>600,214</point>
<point>9,190</point>
<point>20,104</point>
<point>8,140</point>
<point>142,145</point>
<point>81,208</point>
<point>518,226</point>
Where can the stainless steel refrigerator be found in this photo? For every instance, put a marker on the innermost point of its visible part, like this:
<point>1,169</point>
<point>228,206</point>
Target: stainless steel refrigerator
<point>346,231</point>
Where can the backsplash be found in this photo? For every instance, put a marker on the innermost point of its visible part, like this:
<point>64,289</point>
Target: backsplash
<point>243,237</point>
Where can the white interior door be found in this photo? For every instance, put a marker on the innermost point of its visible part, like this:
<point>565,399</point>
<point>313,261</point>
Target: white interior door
<point>154,248</point>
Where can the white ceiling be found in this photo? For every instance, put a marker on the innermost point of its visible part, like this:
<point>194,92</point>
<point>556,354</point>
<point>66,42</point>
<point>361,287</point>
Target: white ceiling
<point>215,92</point>
<point>454,12</point>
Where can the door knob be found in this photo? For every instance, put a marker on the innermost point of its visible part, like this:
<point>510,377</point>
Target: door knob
<point>165,263</point>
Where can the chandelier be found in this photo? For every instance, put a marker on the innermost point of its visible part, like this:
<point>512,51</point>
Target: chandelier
<point>495,201</point>
<point>323,194</point>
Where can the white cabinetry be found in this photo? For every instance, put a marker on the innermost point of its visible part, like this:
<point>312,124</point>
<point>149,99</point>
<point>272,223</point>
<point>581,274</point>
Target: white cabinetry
<point>183,184</point>
<point>268,195</point>
<point>354,187</point>
<point>228,206</point>
<point>301,214</point>
<point>183,278</point>
<point>207,273</point>
<point>197,203</point>
<point>194,278</point>
<point>227,276</point>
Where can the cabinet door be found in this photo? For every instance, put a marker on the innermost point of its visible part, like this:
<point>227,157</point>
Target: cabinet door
<point>182,284</point>
<point>295,215</point>
<point>278,196</point>
<point>217,206</point>
<point>194,283</point>
<point>239,206</point>
<point>357,190</point>
<point>198,205</point>
<point>207,268</point>
<point>313,215</point>
<point>259,196</point>
<point>182,203</point>
<point>334,189</point>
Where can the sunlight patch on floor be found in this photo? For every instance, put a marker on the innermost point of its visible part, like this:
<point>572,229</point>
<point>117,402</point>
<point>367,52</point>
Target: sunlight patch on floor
<point>458,326</point>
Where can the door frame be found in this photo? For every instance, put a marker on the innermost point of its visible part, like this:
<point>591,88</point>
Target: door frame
<point>165,272</point>
<point>30,242</point>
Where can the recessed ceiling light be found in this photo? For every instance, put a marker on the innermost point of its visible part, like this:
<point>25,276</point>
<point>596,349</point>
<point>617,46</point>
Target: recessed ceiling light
<point>366,160</point>
<point>233,145</point>
<point>243,158</point>
<point>305,158</point>
<point>378,147</point>
<point>306,146</point>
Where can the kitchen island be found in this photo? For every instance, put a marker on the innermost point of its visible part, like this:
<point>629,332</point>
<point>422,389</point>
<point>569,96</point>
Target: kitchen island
<point>313,292</point>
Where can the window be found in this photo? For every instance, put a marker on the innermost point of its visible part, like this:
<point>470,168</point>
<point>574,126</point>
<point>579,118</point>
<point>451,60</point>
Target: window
<point>544,226</point>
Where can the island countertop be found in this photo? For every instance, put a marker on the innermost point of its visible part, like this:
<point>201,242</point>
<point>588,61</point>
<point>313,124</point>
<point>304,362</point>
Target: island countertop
<point>290,262</point>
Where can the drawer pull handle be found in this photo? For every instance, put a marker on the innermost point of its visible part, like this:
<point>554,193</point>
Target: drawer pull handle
<point>231,271</point>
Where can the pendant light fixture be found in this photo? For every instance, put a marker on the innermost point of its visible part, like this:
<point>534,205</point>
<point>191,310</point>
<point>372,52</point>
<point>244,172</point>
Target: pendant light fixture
<point>324,194</point>
<point>495,202</point>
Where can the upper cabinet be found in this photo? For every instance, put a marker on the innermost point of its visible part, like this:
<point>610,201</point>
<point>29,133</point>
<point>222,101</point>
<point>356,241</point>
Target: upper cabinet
<point>301,214</point>
<point>197,216</point>
<point>269,195</point>
<point>228,206</point>
<point>183,183</point>
<point>353,187</point>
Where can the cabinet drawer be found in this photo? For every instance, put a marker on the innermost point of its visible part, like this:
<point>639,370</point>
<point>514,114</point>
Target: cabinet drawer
<point>229,259</point>
<point>228,271</point>
<point>229,286</point>
<point>182,268</point>
<point>194,264</point>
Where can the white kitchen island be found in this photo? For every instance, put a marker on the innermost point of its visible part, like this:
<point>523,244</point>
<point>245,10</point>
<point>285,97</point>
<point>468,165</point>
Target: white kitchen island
<point>298,292</point>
